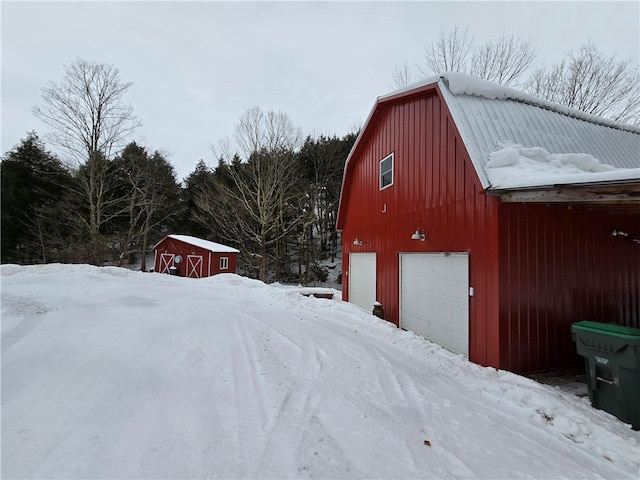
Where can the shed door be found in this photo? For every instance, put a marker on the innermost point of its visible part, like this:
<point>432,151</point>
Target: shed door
<point>362,280</point>
<point>434,298</point>
<point>194,266</point>
<point>166,262</point>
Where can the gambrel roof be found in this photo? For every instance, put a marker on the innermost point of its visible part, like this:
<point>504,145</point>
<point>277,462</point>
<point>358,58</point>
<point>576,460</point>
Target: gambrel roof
<point>551,147</point>
<point>488,115</point>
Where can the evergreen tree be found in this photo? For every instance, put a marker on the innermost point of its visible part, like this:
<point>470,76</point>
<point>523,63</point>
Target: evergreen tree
<point>322,161</point>
<point>152,195</point>
<point>198,181</point>
<point>35,209</point>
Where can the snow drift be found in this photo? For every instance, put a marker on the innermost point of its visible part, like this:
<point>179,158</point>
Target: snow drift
<point>513,166</point>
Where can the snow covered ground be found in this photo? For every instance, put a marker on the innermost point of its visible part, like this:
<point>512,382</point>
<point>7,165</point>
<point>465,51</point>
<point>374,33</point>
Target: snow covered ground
<point>110,373</point>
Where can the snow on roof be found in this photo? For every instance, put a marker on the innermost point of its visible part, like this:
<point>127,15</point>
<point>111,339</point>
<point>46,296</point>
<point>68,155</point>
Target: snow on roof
<point>515,166</point>
<point>490,116</point>
<point>463,84</point>
<point>206,244</point>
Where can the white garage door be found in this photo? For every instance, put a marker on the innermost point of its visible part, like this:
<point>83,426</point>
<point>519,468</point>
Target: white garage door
<point>362,279</point>
<point>434,296</point>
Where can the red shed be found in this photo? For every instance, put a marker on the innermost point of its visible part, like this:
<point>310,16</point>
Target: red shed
<point>194,257</point>
<point>489,221</point>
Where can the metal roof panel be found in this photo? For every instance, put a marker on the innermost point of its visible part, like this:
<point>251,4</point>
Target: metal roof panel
<point>485,123</point>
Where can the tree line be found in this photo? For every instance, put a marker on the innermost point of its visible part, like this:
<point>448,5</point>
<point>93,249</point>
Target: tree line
<point>275,197</point>
<point>278,206</point>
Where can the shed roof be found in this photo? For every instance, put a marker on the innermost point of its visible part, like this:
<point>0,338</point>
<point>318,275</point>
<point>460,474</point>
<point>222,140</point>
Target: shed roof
<point>206,244</point>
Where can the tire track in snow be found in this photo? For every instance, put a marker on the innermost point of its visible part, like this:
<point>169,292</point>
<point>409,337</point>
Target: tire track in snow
<point>250,434</point>
<point>414,398</point>
<point>298,403</point>
<point>294,415</point>
<point>428,399</point>
<point>327,437</point>
<point>471,409</point>
<point>391,391</point>
<point>32,313</point>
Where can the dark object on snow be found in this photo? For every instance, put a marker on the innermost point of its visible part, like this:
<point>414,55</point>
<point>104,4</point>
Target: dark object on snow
<point>612,360</point>
<point>173,270</point>
<point>378,311</point>
<point>325,295</point>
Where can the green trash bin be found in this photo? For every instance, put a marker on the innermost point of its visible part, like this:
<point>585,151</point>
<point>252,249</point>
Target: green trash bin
<point>612,360</point>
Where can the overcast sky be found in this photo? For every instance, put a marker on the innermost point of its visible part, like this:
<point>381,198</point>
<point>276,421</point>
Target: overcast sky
<point>197,66</point>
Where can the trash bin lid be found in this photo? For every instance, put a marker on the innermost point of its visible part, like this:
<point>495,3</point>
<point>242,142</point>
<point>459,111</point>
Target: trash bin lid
<point>607,329</point>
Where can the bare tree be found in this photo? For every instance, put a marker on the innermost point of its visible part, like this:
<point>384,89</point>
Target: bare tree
<point>448,53</point>
<point>48,227</point>
<point>257,131</point>
<point>88,120</point>
<point>256,207</point>
<point>98,203</point>
<point>587,80</point>
<point>502,61</point>
<point>401,76</point>
<point>85,110</point>
<point>592,82</point>
<point>223,149</point>
<point>255,200</point>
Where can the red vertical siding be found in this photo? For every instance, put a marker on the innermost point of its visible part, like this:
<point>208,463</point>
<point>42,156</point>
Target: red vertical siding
<point>435,188</point>
<point>535,269</point>
<point>210,260</point>
<point>561,265</point>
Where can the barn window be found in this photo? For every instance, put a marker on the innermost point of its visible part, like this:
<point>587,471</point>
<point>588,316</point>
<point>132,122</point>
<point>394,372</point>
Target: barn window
<point>224,263</point>
<point>386,172</point>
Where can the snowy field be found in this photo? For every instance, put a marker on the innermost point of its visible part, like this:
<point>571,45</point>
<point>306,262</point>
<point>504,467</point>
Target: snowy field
<point>110,374</point>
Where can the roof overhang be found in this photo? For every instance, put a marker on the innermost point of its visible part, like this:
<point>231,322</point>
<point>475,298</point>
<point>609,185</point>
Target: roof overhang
<point>620,195</point>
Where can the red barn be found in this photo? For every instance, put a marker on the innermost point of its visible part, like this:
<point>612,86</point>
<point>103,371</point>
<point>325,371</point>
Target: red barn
<point>488,220</point>
<point>194,257</point>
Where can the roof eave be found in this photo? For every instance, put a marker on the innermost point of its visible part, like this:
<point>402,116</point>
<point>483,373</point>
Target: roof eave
<point>615,192</point>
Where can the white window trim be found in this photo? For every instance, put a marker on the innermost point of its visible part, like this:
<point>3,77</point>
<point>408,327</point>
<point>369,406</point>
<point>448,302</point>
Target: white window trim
<point>392,171</point>
<point>224,263</point>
